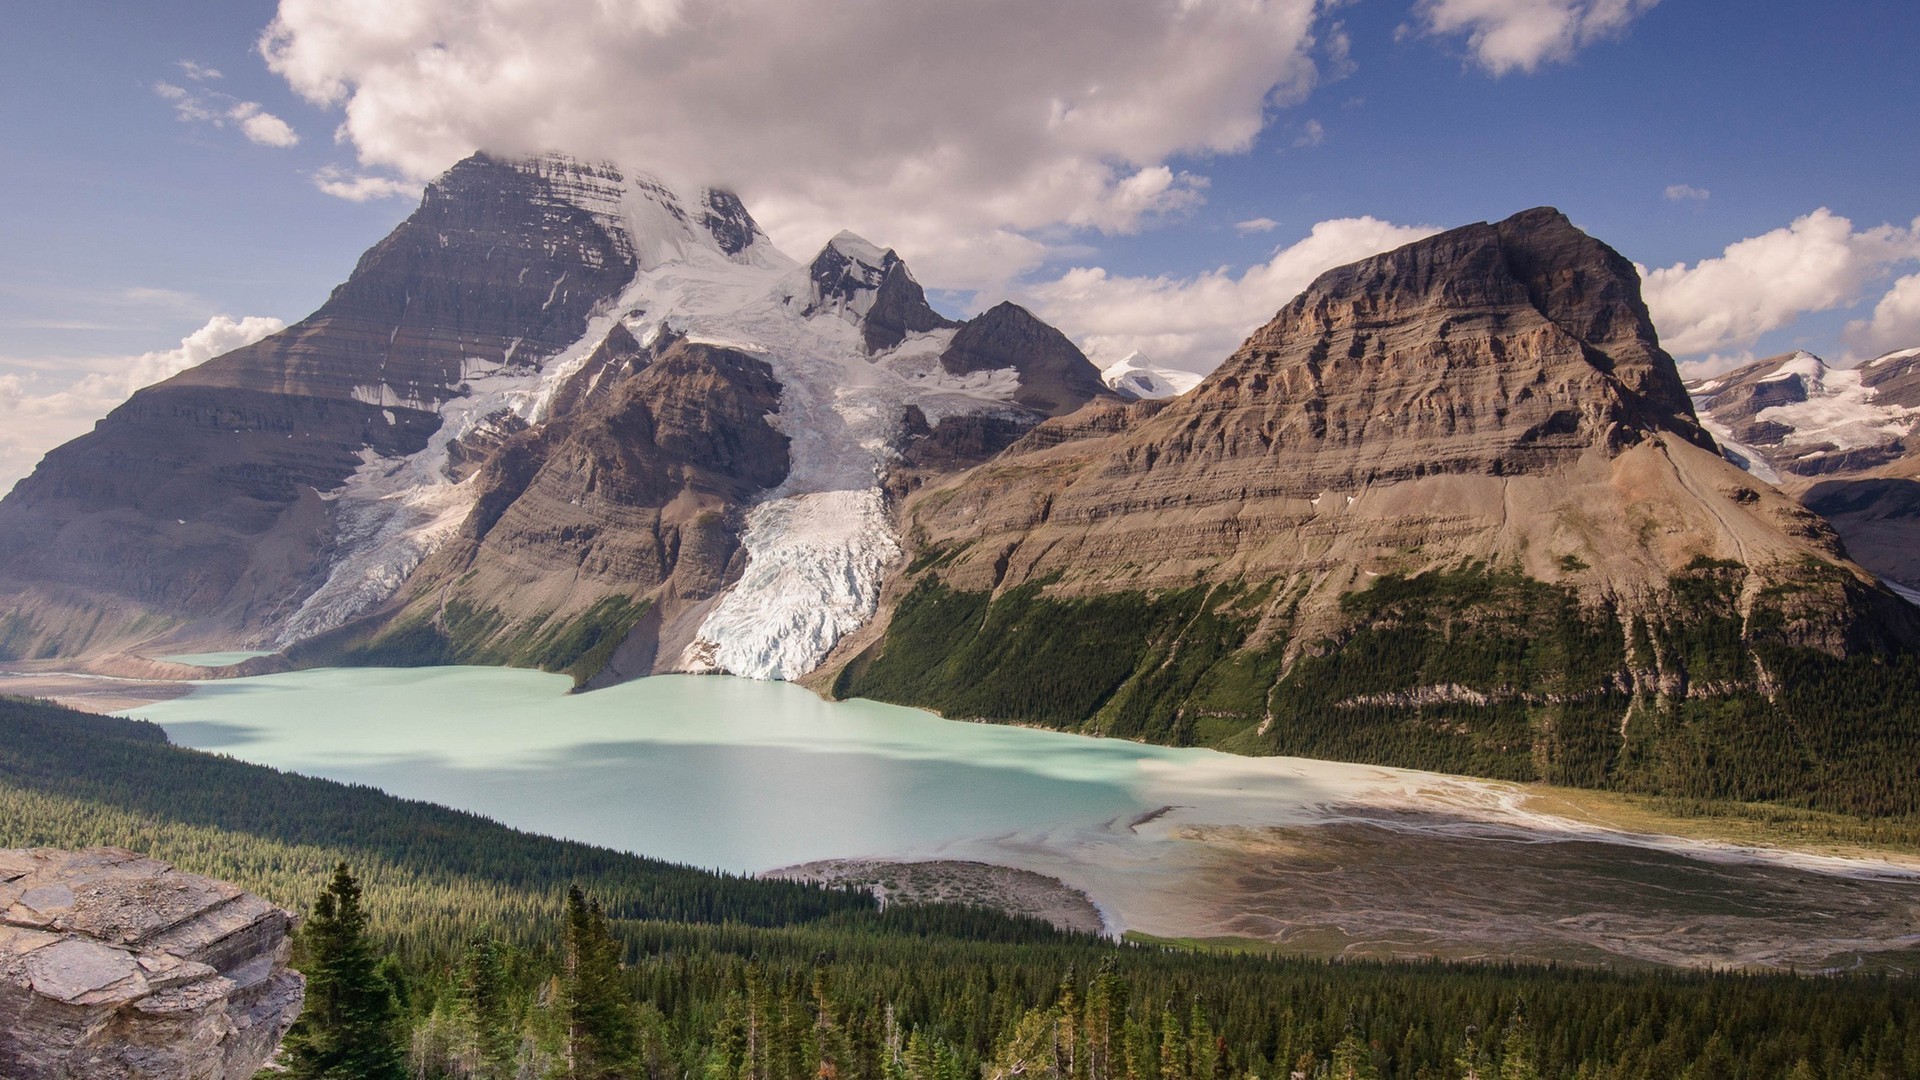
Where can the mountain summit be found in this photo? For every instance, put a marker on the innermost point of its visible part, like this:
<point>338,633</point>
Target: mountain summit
<point>1451,508</point>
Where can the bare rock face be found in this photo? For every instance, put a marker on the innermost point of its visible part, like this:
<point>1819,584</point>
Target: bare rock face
<point>117,966</point>
<point>873,287</point>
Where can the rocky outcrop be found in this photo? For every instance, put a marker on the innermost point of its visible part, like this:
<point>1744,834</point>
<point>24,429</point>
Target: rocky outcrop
<point>116,967</point>
<point>1845,442</point>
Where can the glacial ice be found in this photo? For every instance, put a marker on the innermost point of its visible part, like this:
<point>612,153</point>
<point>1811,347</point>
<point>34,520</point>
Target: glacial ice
<point>817,546</point>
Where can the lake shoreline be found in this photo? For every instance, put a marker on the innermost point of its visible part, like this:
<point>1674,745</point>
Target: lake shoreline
<point>1316,857</point>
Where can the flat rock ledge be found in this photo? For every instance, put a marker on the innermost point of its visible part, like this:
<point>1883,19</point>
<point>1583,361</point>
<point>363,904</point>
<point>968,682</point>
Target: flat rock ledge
<point>115,966</point>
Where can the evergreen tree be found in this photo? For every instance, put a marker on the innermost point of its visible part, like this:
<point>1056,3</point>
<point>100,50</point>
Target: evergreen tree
<point>484,1005</point>
<point>348,1029</point>
<point>600,1026</point>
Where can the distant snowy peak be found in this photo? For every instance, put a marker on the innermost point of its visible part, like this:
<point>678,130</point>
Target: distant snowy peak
<point>656,223</point>
<point>1799,414</point>
<point>857,280</point>
<point>1138,376</point>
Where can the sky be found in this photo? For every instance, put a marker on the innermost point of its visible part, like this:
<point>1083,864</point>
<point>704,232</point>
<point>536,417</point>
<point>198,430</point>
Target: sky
<point>1159,175</point>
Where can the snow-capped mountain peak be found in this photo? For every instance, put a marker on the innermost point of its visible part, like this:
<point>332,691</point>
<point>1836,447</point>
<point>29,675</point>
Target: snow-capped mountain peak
<point>858,281</point>
<point>1137,376</point>
<point>656,223</point>
<point>845,278</point>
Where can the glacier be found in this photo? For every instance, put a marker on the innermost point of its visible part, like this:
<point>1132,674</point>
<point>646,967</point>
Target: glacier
<point>817,547</point>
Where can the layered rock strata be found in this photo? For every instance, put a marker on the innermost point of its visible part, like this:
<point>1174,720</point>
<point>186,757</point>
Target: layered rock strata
<point>117,967</point>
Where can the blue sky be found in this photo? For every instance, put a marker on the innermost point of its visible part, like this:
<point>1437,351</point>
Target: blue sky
<point>125,228</point>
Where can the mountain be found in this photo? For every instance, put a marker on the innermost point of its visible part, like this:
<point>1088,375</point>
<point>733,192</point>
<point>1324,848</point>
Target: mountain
<point>1451,508</point>
<point>1841,440</point>
<point>565,415</point>
<point>1137,376</point>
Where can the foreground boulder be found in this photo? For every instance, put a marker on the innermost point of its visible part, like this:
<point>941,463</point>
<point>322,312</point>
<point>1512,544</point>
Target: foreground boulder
<point>113,965</point>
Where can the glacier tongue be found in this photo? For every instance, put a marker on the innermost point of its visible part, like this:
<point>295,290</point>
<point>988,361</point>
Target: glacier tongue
<point>814,575</point>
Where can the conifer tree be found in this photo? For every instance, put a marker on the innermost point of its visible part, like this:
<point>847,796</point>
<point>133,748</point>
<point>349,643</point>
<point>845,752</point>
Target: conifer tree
<point>600,1026</point>
<point>484,1005</point>
<point>348,1029</point>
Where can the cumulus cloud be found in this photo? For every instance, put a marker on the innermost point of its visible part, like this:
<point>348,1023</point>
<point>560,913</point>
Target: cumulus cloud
<point>362,187</point>
<point>36,414</point>
<point>1255,225</point>
<point>1895,323</point>
<point>953,131</point>
<point>261,126</point>
<point>224,110</point>
<point>1687,193</point>
<point>1523,35</point>
<point>1312,133</point>
<point>1194,323</point>
<point>1820,262</point>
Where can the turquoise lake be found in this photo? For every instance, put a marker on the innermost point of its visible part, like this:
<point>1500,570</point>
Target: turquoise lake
<point>714,771</point>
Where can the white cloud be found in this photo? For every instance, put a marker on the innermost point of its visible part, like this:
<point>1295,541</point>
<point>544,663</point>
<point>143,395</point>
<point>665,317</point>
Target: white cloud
<point>1194,323</point>
<point>1522,35</point>
<point>953,131</point>
<point>261,126</point>
<point>199,72</point>
<point>1895,323</point>
<point>362,187</point>
<point>222,110</point>
<point>1255,225</point>
<point>1687,193</point>
<point>1818,263</point>
<point>36,417</point>
<point>1312,133</point>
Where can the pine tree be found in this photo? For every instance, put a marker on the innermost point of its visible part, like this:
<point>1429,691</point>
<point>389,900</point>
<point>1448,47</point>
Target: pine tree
<point>484,1005</point>
<point>600,1025</point>
<point>348,1029</point>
